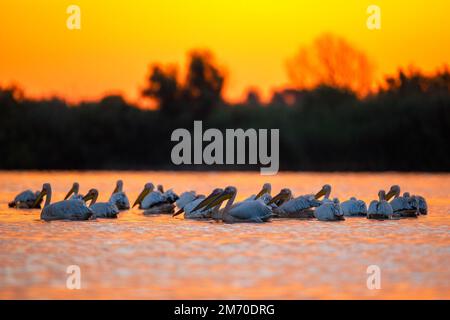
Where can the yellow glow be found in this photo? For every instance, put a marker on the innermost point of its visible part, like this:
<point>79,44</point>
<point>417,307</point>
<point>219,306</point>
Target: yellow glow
<point>251,38</point>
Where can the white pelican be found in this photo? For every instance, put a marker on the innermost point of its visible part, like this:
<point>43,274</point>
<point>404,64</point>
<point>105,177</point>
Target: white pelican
<point>100,209</point>
<point>246,211</point>
<point>192,208</point>
<point>329,211</point>
<point>421,204</point>
<point>63,210</point>
<point>405,206</point>
<point>154,201</point>
<point>380,209</point>
<point>299,207</point>
<point>169,194</point>
<point>354,208</point>
<point>119,198</point>
<point>26,200</point>
<point>75,189</point>
<point>263,195</point>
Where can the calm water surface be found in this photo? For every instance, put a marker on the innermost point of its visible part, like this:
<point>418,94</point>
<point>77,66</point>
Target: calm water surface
<point>157,257</point>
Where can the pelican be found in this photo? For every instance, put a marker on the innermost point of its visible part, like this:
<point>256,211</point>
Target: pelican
<point>119,198</point>
<point>329,211</point>
<point>101,209</point>
<point>286,196</point>
<point>169,194</point>
<point>75,189</point>
<point>380,209</point>
<point>263,195</point>
<point>246,211</point>
<point>421,204</point>
<point>405,206</point>
<point>300,207</point>
<point>191,203</point>
<point>26,200</point>
<point>71,209</point>
<point>154,201</point>
<point>354,208</point>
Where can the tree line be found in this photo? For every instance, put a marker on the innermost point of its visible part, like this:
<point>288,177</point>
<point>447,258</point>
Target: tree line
<point>404,126</point>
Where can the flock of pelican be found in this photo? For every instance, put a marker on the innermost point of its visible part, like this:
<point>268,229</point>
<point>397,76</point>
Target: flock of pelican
<point>256,208</point>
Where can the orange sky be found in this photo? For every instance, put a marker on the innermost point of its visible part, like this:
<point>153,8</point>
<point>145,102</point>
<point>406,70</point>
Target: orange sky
<point>251,38</point>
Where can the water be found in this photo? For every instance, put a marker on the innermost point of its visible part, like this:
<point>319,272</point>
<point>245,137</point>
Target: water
<point>162,257</point>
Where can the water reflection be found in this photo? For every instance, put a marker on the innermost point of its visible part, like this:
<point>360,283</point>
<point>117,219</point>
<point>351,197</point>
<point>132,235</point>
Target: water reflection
<point>161,257</point>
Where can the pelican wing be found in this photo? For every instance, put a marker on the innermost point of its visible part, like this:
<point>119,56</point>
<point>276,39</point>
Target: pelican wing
<point>152,199</point>
<point>66,210</point>
<point>380,207</point>
<point>299,204</point>
<point>104,210</point>
<point>354,207</point>
<point>120,199</point>
<point>170,196</point>
<point>403,204</point>
<point>329,211</point>
<point>185,198</point>
<point>250,210</point>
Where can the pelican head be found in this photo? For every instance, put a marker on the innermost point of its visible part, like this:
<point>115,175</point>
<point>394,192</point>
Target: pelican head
<point>284,195</point>
<point>393,191</point>
<point>216,192</point>
<point>119,186</point>
<point>91,195</point>
<point>267,188</point>
<point>46,190</point>
<point>75,188</point>
<point>325,191</point>
<point>149,187</point>
<point>226,194</point>
<point>160,188</point>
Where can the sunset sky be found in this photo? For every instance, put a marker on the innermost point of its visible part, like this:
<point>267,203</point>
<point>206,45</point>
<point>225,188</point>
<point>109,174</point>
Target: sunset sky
<point>252,39</point>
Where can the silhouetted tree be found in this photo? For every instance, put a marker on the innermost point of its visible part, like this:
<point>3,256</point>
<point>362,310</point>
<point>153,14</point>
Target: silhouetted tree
<point>163,87</point>
<point>204,83</point>
<point>333,62</point>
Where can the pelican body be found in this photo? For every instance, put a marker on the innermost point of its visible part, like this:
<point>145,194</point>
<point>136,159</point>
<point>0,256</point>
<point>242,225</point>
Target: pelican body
<point>300,207</point>
<point>156,201</point>
<point>119,198</point>
<point>190,204</point>
<point>101,209</point>
<point>246,211</point>
<point>71,209</point>
<point>380,209</point>
<point>26,200</point>
<point>329,211</point>
<point>403,206</point>
<point>354,208</point>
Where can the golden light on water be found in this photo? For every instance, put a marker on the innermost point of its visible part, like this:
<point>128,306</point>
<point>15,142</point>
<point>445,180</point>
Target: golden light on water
<point>137,256</point>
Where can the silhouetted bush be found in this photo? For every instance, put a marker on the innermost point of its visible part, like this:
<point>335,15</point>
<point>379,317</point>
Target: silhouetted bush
<point>403,127</point>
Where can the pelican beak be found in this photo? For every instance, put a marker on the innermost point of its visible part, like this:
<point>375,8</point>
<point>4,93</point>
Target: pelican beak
<point>72,190</point>
<point>116,189</point>
<point>39,198</point>
<point>178,212</point>
<point>141,196</point>
<point>225,195</point>
<point>263,191</point>
<point>88,197</point>
<point>320,193</point>
<point>389,195</point>
<point>280,196</point>
<point>208,200</point>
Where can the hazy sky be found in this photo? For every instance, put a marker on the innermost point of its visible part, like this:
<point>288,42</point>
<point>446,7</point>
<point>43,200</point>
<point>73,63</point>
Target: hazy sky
<point>251,38</point>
